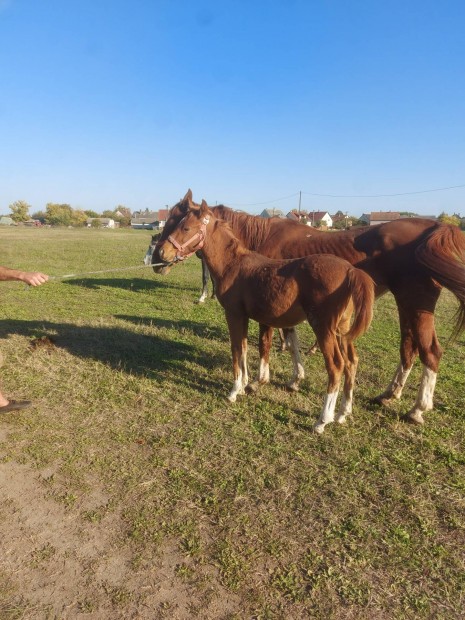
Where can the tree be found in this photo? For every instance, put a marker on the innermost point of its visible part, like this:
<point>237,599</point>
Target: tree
<point>444,218</point>
<point>20,211</point>
<point>91,213</point>
<point>39,215</point>
<point>59,214</point>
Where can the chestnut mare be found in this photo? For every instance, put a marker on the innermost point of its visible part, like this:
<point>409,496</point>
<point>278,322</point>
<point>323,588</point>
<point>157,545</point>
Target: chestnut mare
<point>324,290</point>
<point>413,258</point>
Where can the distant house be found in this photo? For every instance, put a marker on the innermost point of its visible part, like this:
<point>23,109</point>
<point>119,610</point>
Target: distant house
<point>6,221</point>
<point>271,213</point>
<point>104,222</point>
<point>322,217</point>
<point>149,219</point>
<point>298,216</point>
<point>379,217</point>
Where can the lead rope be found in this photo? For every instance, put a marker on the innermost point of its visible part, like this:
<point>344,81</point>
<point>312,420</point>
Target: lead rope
<point>93,273</point>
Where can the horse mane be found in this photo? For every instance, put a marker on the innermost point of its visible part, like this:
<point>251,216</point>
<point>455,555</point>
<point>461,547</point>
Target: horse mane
<point>252,230</point>
<point>233,243</point>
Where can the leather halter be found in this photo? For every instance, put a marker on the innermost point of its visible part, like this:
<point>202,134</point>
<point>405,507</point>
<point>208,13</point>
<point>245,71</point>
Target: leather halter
<point>199,235</point>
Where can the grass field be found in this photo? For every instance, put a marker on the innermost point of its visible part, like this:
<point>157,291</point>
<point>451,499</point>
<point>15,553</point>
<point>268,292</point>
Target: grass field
<point>147,495</point>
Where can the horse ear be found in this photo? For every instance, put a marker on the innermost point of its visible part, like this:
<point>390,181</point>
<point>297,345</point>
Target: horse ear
<point>203,208</point>
<point>188,196</point>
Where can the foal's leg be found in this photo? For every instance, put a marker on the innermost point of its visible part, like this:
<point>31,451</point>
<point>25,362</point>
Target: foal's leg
<point>265,337</point>
<point>334,365</point>
<point>299,373</point>
<point>350,370</point>
<point>238,336</point>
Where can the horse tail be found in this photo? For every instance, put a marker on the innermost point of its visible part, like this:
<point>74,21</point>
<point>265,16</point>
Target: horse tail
<point>362,292</point>
<point>443,255</point>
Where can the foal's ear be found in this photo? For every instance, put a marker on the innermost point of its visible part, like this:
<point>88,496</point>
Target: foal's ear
<point>204,208</point>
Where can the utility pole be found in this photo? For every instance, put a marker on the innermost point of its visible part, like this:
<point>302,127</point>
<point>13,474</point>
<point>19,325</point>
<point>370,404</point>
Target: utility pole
<point>300,200</point>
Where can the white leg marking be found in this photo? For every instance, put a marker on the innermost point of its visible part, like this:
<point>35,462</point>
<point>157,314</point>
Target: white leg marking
<point>424,400</point>
<point>345,408</point>
<point>237,388</point>
<point>264,372</point>
<point>202,298</point>
<point>394,389</point>
<point>327,415</point>
<point>299,372</point>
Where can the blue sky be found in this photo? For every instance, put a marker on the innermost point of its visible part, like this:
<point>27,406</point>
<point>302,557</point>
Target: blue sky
<point>109,102</point>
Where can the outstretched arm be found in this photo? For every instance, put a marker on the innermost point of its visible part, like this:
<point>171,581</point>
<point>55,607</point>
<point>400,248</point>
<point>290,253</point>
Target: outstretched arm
<point>34,278</point>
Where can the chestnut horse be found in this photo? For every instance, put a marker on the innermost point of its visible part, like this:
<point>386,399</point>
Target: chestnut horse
<point>324,290</point>
<point>412,257</point>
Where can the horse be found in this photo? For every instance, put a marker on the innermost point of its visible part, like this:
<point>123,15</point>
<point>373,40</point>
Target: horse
<point>413,258</point>
<point>323,289</point>
<point>205,272</point>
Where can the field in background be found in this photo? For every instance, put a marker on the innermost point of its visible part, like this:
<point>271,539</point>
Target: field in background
<point>134,490</point>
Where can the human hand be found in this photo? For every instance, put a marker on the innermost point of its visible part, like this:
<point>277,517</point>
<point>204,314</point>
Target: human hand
<point>34,278</point>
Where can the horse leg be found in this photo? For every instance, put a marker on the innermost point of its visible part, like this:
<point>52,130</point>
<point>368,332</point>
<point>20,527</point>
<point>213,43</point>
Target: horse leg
<point>350,370</point>
<point>238,336</point>
<point>205,277</point>
<point>213,295</point>
<point>430,352</point>
<point>334,363</point>
<point>299,373</point>
<point>408,353</point>
<point>265,338</point>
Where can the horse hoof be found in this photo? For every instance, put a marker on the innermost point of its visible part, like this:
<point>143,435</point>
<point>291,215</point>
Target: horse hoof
<point>292,387</point>
<point>382,400</point>
<point>231,398</point>
<point>318,428</point>
<point>342,419</point>
<point>415,417</point>
<point>251,388</point>
<point>313,350</point>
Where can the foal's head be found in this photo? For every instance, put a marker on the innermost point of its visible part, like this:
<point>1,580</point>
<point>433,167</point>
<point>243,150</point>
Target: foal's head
<point>176,214</point>
<point>187,236</point>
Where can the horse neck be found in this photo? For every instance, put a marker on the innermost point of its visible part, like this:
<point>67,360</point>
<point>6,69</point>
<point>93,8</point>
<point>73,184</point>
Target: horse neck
<point>221,249</point>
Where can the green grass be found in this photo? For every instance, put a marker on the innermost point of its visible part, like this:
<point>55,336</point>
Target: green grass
<point>366,521</point>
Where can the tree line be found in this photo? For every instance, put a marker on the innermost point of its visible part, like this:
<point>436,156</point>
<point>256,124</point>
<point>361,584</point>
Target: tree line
<point>56,214</point>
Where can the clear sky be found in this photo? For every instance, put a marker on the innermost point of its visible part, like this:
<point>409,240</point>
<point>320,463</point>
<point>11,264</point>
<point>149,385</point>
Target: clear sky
<point>246,102</point>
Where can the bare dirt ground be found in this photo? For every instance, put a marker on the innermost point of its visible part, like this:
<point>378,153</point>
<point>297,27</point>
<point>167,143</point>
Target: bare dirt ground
<point>56,565</point>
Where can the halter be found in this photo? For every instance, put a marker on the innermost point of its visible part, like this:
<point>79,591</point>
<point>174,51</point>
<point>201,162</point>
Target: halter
<point>200,236</point>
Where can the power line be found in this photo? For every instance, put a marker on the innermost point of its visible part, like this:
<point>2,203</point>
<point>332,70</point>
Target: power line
<point>319,195</point>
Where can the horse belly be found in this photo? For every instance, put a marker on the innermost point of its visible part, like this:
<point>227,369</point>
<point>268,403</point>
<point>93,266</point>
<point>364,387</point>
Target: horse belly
<point>277,312</point>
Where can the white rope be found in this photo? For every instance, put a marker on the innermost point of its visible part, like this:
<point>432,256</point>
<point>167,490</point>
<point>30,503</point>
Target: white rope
<point>93,273</point>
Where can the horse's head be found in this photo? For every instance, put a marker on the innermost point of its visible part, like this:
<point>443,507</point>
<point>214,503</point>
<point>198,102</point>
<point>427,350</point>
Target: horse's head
<point>153,244</point>
<point>187,236</point>
<point>175,216</point>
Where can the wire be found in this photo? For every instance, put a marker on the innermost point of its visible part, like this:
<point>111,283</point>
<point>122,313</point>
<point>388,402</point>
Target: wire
<point>423,191</point>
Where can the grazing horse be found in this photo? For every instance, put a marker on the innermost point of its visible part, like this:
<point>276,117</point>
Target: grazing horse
<point>324,290</point>
<point>205,273</point>
<point>412,257</point>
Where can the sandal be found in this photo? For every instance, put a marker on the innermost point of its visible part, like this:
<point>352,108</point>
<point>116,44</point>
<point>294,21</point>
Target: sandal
<point>15,405</point>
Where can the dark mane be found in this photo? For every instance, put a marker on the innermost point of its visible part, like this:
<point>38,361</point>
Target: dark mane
<point>253,230</point>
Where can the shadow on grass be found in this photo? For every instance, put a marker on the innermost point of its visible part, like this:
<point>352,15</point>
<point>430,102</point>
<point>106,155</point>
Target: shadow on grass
<point>130,284</point>
<point>202,330</point>
<point>139,354</point>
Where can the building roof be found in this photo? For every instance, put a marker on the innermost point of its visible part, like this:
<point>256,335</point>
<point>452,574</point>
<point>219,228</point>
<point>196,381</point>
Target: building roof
<point>317,215</point>
<point>271,213</point>
<point>163,214</point>
<point>384,216</point>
